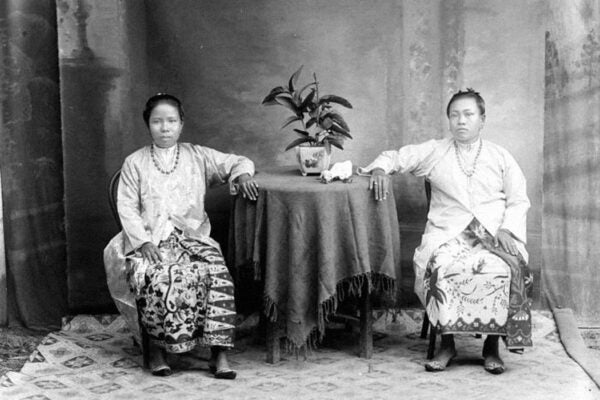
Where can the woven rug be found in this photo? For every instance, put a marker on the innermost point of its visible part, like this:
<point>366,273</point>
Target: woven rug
<point>94,358</point>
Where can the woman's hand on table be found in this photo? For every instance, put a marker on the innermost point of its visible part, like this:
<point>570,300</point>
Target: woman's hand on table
<point>506,242</point>
<point>380,184</point>
<point>150,253</point>
<point>248,187</point>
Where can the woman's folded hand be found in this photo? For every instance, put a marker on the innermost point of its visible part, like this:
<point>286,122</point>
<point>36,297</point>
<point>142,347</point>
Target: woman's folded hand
<point>150,253</point>
<point>380,183</point>
<point>506,242</point>
<point>248,186</point>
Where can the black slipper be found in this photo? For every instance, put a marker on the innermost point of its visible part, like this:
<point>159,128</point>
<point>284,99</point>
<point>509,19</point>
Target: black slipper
<point>224,373</point>
<point>493,365</point>
<point>161,370</point>
<point>437,365</point>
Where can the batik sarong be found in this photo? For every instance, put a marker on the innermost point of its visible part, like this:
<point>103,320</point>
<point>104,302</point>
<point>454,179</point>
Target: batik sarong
<point>187,299</point>
<point>473,286</point>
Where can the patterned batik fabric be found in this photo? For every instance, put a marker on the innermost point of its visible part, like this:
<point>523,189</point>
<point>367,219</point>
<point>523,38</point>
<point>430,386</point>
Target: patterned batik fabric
<point>472,286</point>
<point>188,298</point>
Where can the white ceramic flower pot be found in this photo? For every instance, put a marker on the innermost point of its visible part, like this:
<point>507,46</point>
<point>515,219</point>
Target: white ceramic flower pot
<point>312,159</point>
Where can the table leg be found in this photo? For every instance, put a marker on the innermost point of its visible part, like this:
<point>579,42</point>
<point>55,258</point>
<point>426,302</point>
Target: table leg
<point>366,323</point>
<point>273,343</point>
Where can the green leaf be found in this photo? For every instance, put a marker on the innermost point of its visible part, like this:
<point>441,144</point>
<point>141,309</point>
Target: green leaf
<point>336,128</point>
<point>294,79</point>
<point>338,119</point>
<point>331,98</point>
<point>308,100</point>
<point>283,95</point>
<point>289,103</point>
<point>270,98</point>
<point>301,132</point>
<point>297,99</point>
<point>313,113</point>
<point>298,142</point>
<point>311,122</point>
<point>307,86</point>
<point>326,123</point>
<point>320,136</point>
<point>336,143</point>
<point>290,120</point>
<point>312,106</point>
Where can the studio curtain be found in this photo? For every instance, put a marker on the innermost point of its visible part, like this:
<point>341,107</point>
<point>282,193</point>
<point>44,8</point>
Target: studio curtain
<point>31,165</point>
<point>571,216</point>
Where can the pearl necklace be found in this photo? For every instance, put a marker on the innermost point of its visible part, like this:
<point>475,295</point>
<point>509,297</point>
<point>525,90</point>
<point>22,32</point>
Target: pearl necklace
<point>471,171</point>
<point>155,161</point>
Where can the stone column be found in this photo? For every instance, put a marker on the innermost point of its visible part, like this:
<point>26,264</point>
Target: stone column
<point>103,87</point>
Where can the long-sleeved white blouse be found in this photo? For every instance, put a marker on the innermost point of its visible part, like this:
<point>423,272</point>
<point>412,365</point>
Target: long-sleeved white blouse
<point>496,193</point>
<point>151,204</point>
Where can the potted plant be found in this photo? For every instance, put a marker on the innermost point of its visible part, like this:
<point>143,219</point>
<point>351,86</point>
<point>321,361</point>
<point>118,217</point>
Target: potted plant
<point>322,126</point>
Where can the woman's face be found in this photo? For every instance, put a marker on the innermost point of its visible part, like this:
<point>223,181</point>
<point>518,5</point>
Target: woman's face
<point>465,120</point>
<point>165,125</point>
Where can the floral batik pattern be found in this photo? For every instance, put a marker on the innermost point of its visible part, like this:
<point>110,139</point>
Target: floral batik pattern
<point>188,298</point>
<point>471,286</point>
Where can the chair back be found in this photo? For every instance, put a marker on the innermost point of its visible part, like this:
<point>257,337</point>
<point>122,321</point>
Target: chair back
<point>113,187</point>
<point>428,193</point>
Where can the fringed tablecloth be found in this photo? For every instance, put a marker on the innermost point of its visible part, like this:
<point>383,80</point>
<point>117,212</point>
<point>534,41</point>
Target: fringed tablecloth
<point>313,244</point>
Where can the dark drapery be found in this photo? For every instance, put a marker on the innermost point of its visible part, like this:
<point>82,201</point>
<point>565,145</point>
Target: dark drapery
<point>31,164</point>
<point>571,231</point>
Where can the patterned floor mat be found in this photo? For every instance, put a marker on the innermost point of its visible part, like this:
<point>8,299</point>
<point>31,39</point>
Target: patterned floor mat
<point>94,358</point>
<point>16,344</point>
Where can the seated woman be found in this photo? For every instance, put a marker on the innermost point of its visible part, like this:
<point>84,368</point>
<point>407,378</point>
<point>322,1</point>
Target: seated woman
<point>164,255</point>
<point>471,271</point>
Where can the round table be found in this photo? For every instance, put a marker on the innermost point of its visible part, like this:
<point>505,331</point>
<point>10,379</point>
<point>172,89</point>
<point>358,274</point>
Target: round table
<point>308,240</point>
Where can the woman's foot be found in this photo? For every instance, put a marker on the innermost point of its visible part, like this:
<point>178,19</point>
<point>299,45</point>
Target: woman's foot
<point>219,366</point>
<point>492,362</point>
<point>158,362</point>
<point>444,356</point>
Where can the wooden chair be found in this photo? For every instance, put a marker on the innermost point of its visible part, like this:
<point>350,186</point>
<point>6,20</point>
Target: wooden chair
<point>113,187</point>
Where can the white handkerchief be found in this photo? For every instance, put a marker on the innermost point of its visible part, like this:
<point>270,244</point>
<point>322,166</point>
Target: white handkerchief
<point>340,170</point>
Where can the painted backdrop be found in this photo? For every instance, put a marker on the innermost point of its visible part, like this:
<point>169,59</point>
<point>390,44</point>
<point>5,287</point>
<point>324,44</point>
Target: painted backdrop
<point>396,61</point>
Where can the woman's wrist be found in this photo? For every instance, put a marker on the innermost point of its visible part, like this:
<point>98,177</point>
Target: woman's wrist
<point>507,231</point>
<point>243,177</point>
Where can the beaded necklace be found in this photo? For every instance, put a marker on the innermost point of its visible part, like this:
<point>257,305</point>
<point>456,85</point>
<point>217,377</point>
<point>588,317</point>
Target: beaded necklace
<point>156,164</point>
<point>471,171</point>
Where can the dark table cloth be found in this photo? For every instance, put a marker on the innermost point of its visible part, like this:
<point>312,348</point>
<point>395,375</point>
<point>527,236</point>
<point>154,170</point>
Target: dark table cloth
<point>312,243</point>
